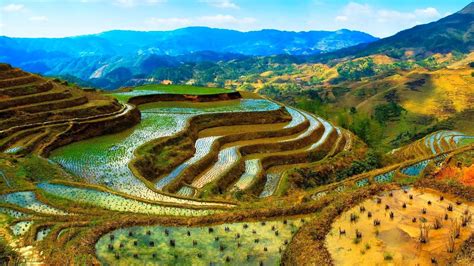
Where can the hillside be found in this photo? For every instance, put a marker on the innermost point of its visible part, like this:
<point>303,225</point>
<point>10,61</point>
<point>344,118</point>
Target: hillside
<point>38,115</point>
<point>452,33</point>
<point>404,99</point>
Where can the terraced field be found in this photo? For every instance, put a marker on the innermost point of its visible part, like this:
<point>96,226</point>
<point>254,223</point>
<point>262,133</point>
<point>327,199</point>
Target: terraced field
<point>36,112</point>
<point>256,242</point>
<point>109,156</point>
<point>153,89</point>
<point>237,163</point>
<point>435,143</point>
<point>189,175</point>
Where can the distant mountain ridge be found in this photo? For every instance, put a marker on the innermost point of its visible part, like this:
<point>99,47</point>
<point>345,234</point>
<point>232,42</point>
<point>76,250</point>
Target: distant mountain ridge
<point>195,39</point>
<point>94,56</point>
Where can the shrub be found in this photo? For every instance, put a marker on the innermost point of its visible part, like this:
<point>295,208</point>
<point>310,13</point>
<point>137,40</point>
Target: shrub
<point>387,256</point>
<point>7,255</point>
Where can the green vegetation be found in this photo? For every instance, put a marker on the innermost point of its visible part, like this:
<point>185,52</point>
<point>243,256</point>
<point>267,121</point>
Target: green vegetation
<point>7,255</point>
<point>167,89</point>
<point>355,70</point>
<point>256,243</point>
<point>387,256</point>
<point>114,202</point>
<point>386,112</point>
<point>104,160</point>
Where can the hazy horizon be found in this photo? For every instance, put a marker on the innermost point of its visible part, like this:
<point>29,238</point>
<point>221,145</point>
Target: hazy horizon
<point>52,18</point>
<point>215,28</point>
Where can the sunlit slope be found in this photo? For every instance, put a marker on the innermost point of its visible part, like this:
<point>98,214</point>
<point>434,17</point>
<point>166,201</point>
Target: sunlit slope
<point>440,93</point>
<point>38,114</point>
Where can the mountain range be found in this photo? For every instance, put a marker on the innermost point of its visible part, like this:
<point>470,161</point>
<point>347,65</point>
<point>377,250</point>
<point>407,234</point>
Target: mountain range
<point>201,55</point>
<point>92,56</point>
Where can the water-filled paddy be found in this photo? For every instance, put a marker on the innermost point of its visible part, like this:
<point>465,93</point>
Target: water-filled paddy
<point>28,200</point>
<point>241,105</point>
<point>114,202</point>
<point>104,160</point>
<point>21,228</point>
<point>238,243</point>
<point>203,147</point>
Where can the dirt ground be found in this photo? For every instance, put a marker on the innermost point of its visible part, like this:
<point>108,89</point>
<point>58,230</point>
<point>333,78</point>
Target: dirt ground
<point>396,241</point>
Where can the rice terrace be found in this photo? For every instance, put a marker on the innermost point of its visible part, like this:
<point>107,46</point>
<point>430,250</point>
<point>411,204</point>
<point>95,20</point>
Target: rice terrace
<point>270,147</point>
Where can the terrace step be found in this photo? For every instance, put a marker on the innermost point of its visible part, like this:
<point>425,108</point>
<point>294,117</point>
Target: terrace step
<point>12,73</point>
<point>340,143</point>
<point>74,112</point>
<point>11,143</point>
<point>11,82</point>
<point>34,142</point>
<point>44,106</point>
<point>96,118</point>
<point>275,163</point>
<point>274,174</point>
<point>35,98</point>
<point>230,163</point>
<point>27,89</point>
<point>252,133</point>
<point>253,168</point>
<point>312,133</point>
<point>16,141</point>
<point>434,143</point>
<point>61,130</point>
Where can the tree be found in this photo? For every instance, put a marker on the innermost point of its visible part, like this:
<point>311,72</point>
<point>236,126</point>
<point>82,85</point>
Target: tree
<point>385,112</point>
<point>369,130</point>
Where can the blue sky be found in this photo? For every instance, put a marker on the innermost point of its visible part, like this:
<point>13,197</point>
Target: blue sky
<point>58,18</point>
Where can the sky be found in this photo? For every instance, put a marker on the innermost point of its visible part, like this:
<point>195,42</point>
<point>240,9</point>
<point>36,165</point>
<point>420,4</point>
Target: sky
<point>60,18</point>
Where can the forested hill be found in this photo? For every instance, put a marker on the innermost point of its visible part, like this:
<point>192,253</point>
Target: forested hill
<point>452,33</point>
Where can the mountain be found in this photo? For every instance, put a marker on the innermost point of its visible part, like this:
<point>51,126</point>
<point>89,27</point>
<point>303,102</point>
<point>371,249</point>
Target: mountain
<point>194,39</point>
<point>95,56</point>
<point>454,33</point>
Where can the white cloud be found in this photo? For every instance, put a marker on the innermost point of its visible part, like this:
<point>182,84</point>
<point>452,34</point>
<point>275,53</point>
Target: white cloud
<point>169,22</point>
<point>219,20</point>
<point>341,18</point>
<point>132,3</point>
<point>225,19</point>
<point>228,4</point>
<point>38,18</point>
<point>447,14</point>
<point>428,12</point>
<point>379,21</point>
<point>13,7</point>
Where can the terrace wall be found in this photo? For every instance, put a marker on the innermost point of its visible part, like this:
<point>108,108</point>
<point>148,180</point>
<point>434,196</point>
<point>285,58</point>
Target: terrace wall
<point>144,165</point>
<point>142,99</point>
<point>84,130</point>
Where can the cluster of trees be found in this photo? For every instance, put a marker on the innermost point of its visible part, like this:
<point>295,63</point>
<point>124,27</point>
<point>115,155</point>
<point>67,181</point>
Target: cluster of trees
<point>387,112</point>
<point>357,69</point>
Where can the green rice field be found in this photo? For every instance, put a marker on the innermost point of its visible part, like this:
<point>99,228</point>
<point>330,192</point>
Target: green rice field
<point>167,89</point>
<point>251,243</point>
